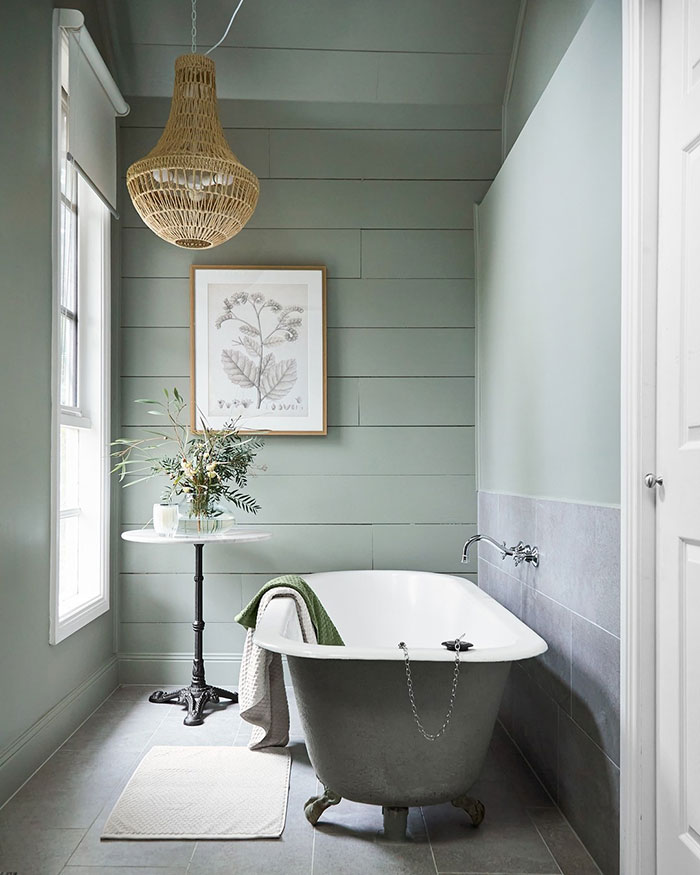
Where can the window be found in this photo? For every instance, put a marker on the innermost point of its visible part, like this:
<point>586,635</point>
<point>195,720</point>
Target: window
<point>81,378</point>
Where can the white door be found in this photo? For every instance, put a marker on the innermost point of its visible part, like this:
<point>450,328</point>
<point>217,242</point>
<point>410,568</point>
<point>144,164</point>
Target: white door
<point>678,411</point>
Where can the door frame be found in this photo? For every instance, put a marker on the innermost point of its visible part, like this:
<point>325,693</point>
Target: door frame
<point>641,36</point>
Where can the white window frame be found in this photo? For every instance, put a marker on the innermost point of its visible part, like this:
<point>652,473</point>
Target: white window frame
<point>93,360</point>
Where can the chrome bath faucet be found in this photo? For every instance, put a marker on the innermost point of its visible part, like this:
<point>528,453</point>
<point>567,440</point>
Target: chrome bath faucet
<point>520,552</point>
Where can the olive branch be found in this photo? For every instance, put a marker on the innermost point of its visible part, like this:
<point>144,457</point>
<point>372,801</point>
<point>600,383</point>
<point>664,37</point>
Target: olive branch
<point>207,467</point>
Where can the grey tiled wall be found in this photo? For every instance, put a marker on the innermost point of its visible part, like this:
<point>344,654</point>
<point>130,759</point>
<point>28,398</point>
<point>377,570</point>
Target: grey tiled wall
<point>563,708</point>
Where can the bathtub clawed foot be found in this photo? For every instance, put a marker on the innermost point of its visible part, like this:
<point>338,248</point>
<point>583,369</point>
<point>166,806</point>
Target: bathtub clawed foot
<point>474,808</point>
<point>314,807</point>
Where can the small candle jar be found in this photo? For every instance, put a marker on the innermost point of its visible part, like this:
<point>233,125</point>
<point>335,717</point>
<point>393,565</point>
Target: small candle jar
<point>165,519</point>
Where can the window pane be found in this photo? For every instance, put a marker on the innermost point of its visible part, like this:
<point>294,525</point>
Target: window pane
<point>69,252</point>
<point>68,559</point>
<point>64,167</point>
<point>69,348</point>
<point>68,291</point>
<point>70,457</point>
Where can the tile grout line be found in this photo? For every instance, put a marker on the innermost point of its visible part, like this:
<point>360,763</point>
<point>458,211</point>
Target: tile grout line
<point>102,808</point>
<point>430,843</point>
<point>550,598</point>
<point>313,840</point>
<point>583,847</point>
<point>544,842</point>
<point>51,755</point>
<point>189,864</point>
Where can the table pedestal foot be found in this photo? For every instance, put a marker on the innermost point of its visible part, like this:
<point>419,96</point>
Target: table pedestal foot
<point>195,698</point>
<point>225,694</point>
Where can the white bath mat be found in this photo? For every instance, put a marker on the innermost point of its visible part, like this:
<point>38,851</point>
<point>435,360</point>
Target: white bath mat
<point>204,793</point>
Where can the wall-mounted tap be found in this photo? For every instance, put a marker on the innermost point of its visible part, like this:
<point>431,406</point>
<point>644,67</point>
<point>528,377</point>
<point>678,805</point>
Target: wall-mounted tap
<point>520,552</point>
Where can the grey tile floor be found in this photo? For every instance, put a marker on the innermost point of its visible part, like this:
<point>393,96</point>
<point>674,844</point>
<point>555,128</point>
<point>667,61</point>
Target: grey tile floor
<point>53,824</point>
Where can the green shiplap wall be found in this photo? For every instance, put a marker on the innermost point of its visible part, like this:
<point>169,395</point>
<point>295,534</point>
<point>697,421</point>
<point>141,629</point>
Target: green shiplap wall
<point>392,485</point>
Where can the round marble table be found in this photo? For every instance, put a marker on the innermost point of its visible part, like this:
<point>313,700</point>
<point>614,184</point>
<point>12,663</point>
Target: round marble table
<point>199,692</point>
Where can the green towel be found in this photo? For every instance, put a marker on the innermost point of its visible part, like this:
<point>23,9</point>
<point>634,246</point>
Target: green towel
<point>326,633</point>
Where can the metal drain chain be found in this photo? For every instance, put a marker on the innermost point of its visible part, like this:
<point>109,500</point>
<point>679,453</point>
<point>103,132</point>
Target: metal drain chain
<point>429,736</point>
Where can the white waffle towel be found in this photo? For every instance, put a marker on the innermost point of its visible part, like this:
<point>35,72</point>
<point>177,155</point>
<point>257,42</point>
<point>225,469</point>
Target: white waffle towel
<point>261,692</point>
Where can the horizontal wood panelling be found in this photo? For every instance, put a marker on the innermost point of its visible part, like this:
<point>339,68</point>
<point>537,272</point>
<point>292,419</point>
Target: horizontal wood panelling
<point>361,451</point>
<point>343,398</point>
<point>392,484</point>
<point>461,25</point>
<point>145,255</point>
<point>299,74</point>
<point>417,402</point>
<point>149,112</point>
<point>155,352</point>
<point>352,352</point>
<point>417,254</point>
<point>435,77</point>
<point>155,303</point>
<point>340,499</point>
<point>352,303</point>
<point>368,203</point>
<point>406,303</point>
<point>164,637</point>
<point>299,546</point>
<point>396,352</point>
<point>167,598</point>
<point>425,548</point>
<point>356,203</point>
<point>384,154</point>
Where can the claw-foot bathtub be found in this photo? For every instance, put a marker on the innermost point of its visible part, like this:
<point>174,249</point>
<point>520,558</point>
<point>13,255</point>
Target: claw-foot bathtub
<point>361,734</point>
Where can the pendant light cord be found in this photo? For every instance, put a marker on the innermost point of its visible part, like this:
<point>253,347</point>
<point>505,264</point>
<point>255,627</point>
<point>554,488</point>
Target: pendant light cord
<point>194,26</point>
<point>235,13</point>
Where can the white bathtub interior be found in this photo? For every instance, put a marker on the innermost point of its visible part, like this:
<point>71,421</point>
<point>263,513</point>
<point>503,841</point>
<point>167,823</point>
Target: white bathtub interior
<point>375,610</point>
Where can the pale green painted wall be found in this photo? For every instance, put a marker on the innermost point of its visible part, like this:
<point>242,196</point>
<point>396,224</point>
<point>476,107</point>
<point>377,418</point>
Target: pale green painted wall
<point>392,485</point>
<point>35,676</point>
<point>549,285</point>
<point>548,26</point>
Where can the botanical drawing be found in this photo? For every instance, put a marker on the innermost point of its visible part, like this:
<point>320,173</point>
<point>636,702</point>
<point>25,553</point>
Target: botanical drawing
<point>262,324</point>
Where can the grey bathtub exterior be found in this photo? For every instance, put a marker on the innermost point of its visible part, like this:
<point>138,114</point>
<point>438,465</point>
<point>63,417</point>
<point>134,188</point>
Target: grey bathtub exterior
<point>362,738</point>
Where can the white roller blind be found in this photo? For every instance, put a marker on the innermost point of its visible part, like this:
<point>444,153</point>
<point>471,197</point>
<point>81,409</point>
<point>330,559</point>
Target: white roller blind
<point>94,101</point>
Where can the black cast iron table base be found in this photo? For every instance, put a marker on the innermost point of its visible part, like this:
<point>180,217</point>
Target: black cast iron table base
<point>196,699</point>
<point>199,692</point>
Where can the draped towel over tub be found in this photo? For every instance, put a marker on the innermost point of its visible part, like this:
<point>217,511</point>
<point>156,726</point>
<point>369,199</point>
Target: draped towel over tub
<point>261,692</point>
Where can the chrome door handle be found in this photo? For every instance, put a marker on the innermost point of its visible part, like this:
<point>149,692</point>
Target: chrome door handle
<point>651,480</point>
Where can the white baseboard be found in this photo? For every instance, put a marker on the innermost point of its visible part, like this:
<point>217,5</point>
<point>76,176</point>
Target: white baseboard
<point>23,756</point>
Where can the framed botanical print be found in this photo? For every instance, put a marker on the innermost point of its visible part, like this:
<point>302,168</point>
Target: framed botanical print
<point>258,348</point>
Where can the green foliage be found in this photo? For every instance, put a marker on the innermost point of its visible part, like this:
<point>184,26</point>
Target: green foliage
<point>206,466</point>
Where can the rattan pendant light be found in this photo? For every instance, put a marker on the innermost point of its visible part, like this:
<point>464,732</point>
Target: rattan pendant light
<point>190,189</point>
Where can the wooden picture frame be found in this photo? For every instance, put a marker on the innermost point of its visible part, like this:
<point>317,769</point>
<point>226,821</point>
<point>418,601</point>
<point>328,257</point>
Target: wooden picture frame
<point>258,348</point>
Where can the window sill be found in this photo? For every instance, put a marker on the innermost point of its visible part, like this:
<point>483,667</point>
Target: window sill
<point>75,619</point>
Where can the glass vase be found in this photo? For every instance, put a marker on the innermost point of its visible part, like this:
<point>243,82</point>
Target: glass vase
<point>192,521</point>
